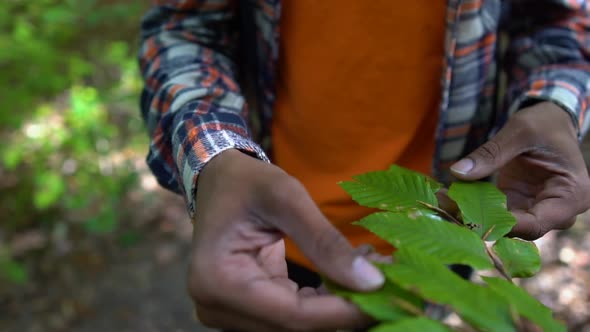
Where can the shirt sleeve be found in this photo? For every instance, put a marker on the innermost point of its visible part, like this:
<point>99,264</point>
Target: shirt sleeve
<point>191,102</point>
<point>548,56</point>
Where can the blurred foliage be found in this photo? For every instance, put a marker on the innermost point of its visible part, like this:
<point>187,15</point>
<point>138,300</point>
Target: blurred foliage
<point>69,120</point>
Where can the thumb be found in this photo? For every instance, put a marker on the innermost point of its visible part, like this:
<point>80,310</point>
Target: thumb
<point>488,158</point>
<point>333,255</point>
<point>326,247</point>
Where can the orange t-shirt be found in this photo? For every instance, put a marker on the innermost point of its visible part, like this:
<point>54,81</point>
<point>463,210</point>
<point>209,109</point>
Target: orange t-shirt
<point>358,90</point>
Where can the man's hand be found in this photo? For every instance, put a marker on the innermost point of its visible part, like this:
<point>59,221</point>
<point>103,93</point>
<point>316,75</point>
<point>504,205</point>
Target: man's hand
<point>541,169</point>
<point>238,274</point>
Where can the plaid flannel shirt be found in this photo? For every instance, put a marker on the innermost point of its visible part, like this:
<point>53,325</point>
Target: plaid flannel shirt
<point>193,52</point>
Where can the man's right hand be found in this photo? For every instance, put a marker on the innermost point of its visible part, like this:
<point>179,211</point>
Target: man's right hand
<point>238,275</point>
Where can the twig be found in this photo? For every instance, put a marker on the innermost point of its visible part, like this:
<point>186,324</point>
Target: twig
<point>498,264</point>
<point>485,236</point>
<point>443,212</point>
<point>409,307</point>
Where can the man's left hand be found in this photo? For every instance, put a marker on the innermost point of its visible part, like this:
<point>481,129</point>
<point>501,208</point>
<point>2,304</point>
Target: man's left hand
<point>541,169</point>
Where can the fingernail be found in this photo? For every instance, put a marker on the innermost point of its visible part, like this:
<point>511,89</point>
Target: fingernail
<point>366,274</point>
<point>463,166</point>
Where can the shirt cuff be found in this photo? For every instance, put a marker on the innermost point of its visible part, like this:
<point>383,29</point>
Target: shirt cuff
<point>201,151</point>
<point>558,93</point>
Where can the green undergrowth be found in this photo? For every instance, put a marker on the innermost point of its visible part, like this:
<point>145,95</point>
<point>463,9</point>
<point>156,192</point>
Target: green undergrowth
<point>69,121</point>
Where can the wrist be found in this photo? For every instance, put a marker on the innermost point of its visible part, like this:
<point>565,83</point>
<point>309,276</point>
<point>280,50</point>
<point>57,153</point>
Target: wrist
<point>559,115</point>
<point>549,117</point>
<point>227,158</point>
<point>562,116</point>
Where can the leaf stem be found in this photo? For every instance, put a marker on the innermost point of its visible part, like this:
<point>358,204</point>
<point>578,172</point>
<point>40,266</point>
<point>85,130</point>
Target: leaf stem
<point>487,234</point>
<point>409,307</point>
<point>442,212</point>
<point>498,264</point>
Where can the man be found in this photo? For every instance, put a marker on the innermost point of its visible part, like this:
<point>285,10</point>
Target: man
<point>348,87</point>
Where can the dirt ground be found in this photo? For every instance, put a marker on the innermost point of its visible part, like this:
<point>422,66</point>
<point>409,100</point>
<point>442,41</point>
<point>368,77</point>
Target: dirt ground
<point>106,286</point>
<point>134,280</point>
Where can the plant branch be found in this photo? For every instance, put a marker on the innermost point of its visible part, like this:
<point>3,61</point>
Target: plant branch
<point>442,212</point>
<point>409,307</point>
<point>498,264</point>
<point>487,234</point>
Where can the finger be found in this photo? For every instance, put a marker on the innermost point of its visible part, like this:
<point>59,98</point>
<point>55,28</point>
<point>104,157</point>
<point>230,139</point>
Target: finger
<point>265,305</point>
<point>332,254</point>
<point>307,292</point>
<point>378,258</point>
<point>364,250</point>
<point>492,155</point>
<point>516,200</point>
<point>547,215</point>
<point>368,251</point>
<point>263,300</point>
<point>287,283</point>
<point>326,248</point>
<point>231,320</point>
<point>271,259</point>
<point>323,290</point>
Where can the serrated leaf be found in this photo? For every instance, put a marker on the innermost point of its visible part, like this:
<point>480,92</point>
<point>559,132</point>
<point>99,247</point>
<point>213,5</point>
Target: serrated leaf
<point>421,231</point>
<point>427,277</point>
<point>396,189</point>
<point>420,324</point>
<point>521,259</point>
<point>384,304</point>
<point>483,208</point>
<point>526,305</point>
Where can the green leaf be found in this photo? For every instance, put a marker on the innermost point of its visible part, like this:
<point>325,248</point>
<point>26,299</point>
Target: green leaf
<point>427,277</point>
<point>526,305</point>
<point>521,259</point>
<point>412,325</point>
<point>396,189</point>
<point>449,243</point>
<point>384,304</point>
<point>483,208</point>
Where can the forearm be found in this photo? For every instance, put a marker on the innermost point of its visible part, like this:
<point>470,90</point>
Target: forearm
<point>191,102</point>
<point>548,59</point>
